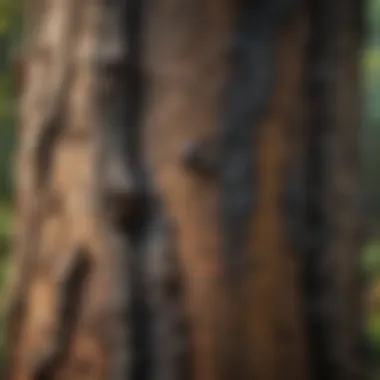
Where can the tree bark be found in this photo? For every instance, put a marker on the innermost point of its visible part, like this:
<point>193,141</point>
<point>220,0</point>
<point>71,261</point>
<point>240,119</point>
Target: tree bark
<point>168,157</point>
<point>333,218</point>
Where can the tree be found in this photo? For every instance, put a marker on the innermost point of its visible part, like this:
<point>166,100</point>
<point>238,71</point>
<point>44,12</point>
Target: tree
<point>171,209</point>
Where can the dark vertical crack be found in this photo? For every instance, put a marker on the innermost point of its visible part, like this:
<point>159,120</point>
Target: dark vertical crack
<point>70,283</point>
<point>294,204</point>
<point>248,93</point>
<point>122,183</point>
<point>319,264</point>
<point>247,100</point>
<point>131,209</point>
<point>164,291</point>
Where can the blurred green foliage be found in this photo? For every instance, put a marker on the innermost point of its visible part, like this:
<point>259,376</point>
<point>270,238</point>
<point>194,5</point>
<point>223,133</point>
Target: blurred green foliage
<point>10,25</point>
<point>371,260</point>
<point>371,114</point>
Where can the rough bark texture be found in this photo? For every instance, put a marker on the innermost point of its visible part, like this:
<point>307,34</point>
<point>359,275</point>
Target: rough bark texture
<point>333,220</point>
<point>345,188</point>
<point>166,190</point>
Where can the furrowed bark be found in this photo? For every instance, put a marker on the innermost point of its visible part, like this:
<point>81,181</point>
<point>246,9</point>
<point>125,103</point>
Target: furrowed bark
<point>321,319</point>
<point>170,338</point>
<point>70,278</point>
<point>253,95</point>
<point>272,327</point>
<point>90,175</point>
<point>331,269</point>
<point>40,131</point>
<point>185,64</point>
<point>344,191</point>
<point>58,337</point>
<point>191,54</point>
<point>248,96</point>
<point>122,198</point>
<point>180,212</point>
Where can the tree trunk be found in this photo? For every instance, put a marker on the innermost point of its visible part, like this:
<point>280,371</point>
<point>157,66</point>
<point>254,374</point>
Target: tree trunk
<point>166,205</point>
<point>333,219</point>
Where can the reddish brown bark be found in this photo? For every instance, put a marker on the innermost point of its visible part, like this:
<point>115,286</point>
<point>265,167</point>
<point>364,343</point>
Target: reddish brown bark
<point>121,263</point>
